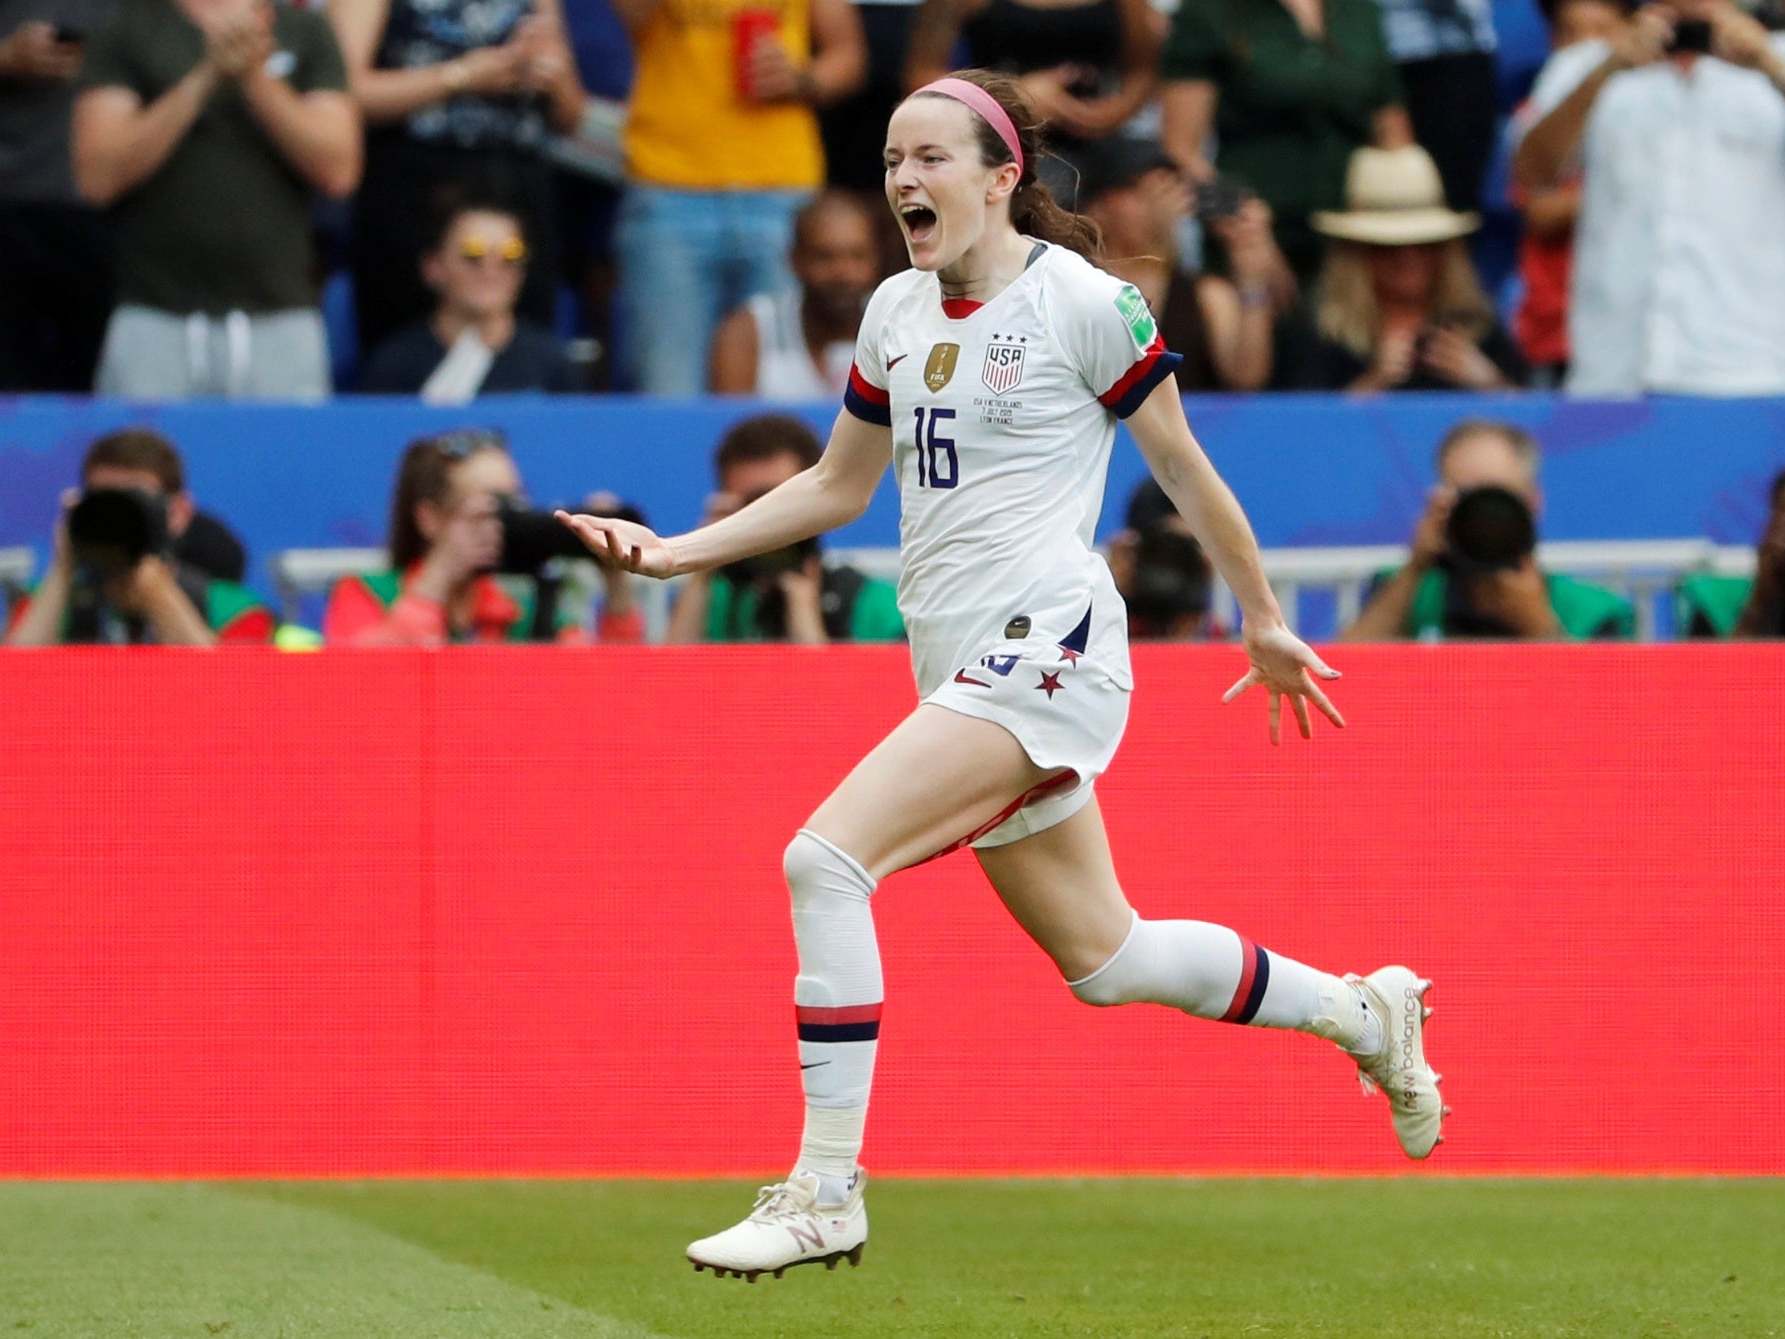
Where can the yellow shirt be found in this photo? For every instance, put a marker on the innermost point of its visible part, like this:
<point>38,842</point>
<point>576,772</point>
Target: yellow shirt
<point>686,126</point>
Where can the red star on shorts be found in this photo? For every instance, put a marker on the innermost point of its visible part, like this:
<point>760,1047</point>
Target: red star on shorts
<point>1050,684</point>
<point>1069,655</point>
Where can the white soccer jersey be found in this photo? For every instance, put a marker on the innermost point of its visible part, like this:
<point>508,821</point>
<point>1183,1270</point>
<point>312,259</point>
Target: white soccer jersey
<point>1002,422</point>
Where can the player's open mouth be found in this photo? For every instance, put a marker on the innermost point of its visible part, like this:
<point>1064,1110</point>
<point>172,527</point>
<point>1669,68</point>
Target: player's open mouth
<point>919,221</point>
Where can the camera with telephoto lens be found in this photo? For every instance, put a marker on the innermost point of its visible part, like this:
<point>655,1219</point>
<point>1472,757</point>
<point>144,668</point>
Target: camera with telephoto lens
<point>1171,576</point>
<point>1491,529</point>
<point>531,538</point>
<point>111,530</point>
<point>764,570</point>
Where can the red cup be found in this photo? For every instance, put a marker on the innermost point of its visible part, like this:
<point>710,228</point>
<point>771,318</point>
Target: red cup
<point>749,26</point>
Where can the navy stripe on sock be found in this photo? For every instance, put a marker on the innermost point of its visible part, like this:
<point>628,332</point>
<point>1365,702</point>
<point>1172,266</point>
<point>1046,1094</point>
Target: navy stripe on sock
<point>869,1031</point>
<point>1261,978</point>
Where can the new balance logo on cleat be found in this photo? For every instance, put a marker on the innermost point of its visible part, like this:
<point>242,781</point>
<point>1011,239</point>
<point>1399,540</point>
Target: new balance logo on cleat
<point>787,1227</point>
<point>1399,1069</point>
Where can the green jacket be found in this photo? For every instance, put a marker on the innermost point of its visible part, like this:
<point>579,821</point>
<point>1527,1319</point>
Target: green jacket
<point>856,609</point>
<point>1706,605</point>
<point>1584,610</point>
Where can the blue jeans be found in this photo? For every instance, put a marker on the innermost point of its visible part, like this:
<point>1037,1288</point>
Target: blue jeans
<point>686,259</point>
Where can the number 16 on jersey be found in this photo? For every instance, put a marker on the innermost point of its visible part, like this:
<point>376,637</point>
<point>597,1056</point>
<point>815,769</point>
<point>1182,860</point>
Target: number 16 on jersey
<point>937,464</point>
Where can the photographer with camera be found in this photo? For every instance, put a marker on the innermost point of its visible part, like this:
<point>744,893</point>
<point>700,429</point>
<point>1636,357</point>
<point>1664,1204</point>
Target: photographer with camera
<point>1716,604</point>
<point>114,575</point>
<point>1161,571</point>
<point>1678,123</point>
<point>1473,567</point>
<point>470,562</point>
<point>789,595</point>
<point>1221,322</point>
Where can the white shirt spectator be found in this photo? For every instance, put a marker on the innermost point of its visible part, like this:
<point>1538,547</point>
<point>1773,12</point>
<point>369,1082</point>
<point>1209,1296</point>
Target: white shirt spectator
<point>1679,275</point>
<point>784,366</point>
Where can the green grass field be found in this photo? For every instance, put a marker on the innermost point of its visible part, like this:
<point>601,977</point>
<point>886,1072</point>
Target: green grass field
<point>393,1259</point>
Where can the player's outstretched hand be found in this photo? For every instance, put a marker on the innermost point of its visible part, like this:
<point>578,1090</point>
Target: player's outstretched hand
<point>623,544</point>
<point>1287,667</point>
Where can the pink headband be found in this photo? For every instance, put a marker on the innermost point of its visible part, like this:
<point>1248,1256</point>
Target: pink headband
<point>986,105</point>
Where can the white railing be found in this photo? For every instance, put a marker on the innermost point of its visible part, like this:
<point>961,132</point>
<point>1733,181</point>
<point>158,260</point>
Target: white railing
<point>1643,570</point>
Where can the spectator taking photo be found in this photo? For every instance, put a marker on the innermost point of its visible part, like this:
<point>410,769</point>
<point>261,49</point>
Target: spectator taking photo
<point>1399,305</point>
<point>115,575</point>
<point>1678,122</point>
<point>469,559</point>
<point>790,595</point>
<point>1473,571</point>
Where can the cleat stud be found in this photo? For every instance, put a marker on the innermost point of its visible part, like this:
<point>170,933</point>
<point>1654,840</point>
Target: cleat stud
<point>830,1263</point>
<point>855,1256</point>
<point>752,1275</point>
<point>1439,1140</point>
<point>1443,1111</point>
<point>1426,1014</point>
<point>697,1266</point>
<point>779,1272</point>
<point>1437,1078</point>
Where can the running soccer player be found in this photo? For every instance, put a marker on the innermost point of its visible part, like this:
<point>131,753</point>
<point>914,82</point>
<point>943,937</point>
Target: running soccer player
<point>991,375</point>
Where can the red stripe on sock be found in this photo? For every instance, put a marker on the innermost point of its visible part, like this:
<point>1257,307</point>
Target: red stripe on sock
<point>1248,969</point>
<point>854,1013</point>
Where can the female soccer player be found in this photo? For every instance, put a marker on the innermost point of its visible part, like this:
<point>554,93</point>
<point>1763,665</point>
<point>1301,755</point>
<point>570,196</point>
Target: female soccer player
<point>991,375</point>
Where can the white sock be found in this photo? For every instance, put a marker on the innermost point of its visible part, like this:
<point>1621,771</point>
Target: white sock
<point>837,998</point>
<point>1212,972</point>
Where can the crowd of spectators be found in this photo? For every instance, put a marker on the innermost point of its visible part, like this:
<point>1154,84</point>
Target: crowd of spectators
<point>288,198</point>
<point>133,560</point>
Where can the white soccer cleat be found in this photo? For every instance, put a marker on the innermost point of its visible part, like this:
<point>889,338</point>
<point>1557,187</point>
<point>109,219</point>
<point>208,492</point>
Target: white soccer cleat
<point>786,1227</point>
<point>1397,997</point>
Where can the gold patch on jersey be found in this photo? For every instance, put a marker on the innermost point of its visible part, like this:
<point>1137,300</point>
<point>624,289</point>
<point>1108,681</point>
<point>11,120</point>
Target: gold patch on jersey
<point>940,366</point>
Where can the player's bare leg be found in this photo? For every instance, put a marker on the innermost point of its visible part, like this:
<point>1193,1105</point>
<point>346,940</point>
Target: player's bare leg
<point>1060,885</point>
<point>937,777</point>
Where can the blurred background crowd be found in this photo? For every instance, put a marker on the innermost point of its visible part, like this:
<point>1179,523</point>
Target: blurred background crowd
<point>442,199</point>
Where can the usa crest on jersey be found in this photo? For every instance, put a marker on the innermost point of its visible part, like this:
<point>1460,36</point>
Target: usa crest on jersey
<point>1003,369</point>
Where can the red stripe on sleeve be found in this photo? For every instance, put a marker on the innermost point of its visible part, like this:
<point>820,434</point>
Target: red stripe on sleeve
<point>1113,396</point>
<point>867,389</point>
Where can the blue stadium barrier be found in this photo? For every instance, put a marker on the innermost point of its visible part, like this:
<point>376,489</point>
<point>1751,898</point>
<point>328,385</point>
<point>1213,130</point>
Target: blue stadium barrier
<point>1311,470</point>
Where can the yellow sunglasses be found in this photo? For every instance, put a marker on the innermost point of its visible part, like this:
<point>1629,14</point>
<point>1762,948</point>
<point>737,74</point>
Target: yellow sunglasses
<point>513,251</point>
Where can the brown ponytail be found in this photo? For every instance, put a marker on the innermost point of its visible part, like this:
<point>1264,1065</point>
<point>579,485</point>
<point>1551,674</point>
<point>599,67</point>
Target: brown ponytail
<point>1033,209</point>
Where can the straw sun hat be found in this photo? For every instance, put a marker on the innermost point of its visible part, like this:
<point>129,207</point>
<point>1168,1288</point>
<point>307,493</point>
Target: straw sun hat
<point>1394,197</point>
